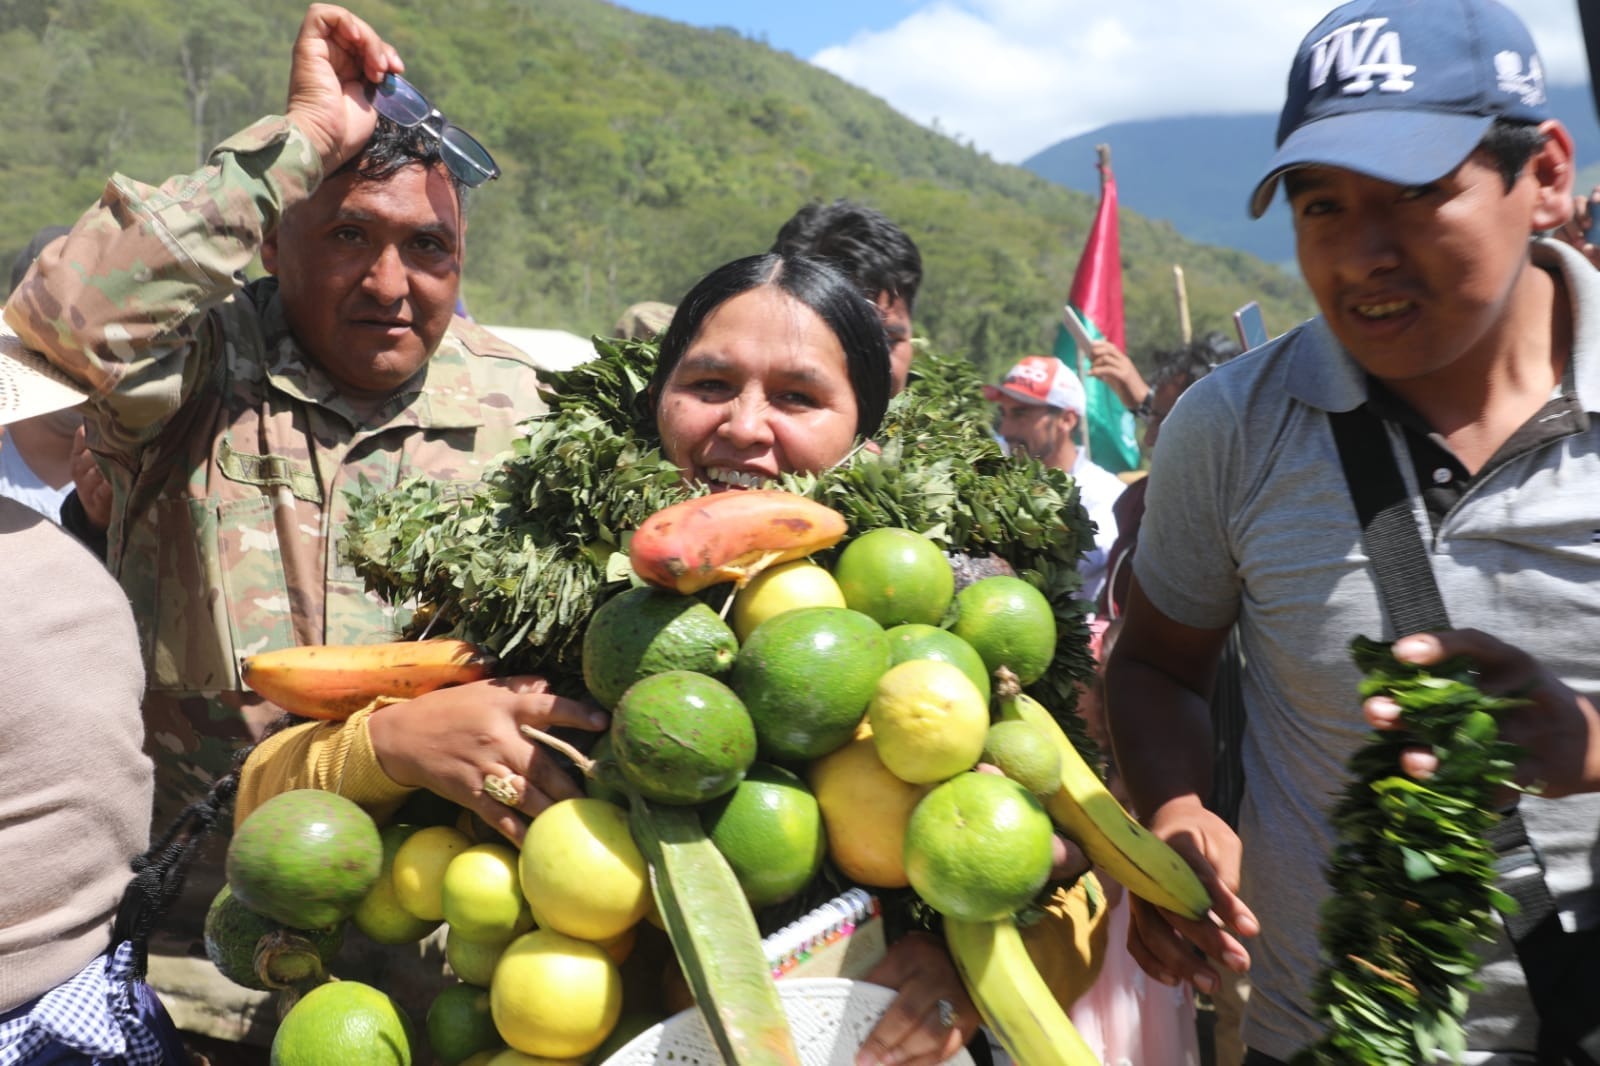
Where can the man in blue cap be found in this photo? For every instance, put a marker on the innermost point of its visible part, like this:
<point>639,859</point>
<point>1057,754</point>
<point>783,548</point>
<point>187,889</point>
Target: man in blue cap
<point>1420,163</point>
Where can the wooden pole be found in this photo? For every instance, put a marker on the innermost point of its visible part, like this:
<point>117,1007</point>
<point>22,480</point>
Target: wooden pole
<point>1185,329</point>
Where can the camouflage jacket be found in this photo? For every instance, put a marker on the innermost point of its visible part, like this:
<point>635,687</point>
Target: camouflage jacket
<point>229,451</point>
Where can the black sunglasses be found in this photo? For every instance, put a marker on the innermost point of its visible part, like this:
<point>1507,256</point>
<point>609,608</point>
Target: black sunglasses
<point>401,103</point>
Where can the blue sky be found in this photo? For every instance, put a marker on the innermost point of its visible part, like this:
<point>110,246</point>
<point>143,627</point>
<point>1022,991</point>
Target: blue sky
<point>1016,76</point>
<point>802,28</point>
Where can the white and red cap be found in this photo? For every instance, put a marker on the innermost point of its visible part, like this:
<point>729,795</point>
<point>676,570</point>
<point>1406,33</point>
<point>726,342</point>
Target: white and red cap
<point>1040,379</point>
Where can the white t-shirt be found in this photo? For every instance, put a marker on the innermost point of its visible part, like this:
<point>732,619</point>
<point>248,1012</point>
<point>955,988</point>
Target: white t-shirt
<point>20,483</point>
<point>1098,489</point>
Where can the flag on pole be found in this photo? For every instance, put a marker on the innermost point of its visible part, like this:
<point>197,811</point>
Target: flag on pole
<point>1110,433</point>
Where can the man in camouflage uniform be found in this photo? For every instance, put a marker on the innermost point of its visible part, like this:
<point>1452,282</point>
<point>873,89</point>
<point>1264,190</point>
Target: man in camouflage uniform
<point>232,420</point>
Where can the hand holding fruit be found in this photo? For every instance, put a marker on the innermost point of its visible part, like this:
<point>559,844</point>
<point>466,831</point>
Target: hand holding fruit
<point>1558,727</point>
<point>912,1031</point>
<point>1162,942</point>
<point>451,740</point>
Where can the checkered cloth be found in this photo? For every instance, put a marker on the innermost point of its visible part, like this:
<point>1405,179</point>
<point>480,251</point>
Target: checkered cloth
<point>95,1013</point>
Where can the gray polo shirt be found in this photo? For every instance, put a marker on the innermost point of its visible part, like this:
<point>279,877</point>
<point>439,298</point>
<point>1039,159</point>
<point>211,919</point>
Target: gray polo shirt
<point>1249,519</point>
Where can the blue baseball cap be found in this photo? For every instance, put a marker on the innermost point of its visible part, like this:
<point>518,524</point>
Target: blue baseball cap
<point>1403,90</point>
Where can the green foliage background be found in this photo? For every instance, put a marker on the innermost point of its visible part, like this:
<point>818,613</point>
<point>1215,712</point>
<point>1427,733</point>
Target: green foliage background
<point>638,153</point>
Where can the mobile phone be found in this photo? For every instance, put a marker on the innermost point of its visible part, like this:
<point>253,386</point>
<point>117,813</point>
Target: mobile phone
<point>1080,335</point>
<point>1251,325</point>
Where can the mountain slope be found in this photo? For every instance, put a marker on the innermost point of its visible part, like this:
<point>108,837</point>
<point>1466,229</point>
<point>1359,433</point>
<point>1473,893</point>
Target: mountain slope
<point>638,153</point>
<point>1197,172</point>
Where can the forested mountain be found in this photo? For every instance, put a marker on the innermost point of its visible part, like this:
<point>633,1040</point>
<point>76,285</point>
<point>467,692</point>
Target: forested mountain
<point>638,153</point>
<point>1197,171</point>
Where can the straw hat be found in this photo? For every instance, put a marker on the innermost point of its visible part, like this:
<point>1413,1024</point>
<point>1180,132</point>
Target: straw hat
<point>29,385</point>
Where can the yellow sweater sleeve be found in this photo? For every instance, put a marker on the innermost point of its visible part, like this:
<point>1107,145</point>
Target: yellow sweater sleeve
<point>1068,945</point>
<point>332,756</point>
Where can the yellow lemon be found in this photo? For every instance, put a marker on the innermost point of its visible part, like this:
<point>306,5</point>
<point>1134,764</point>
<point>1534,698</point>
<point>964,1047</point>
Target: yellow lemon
<point>554,995</point>
<point>785,587</point>
<point>865,810</point>
<point>928,721</point>
<point>380,915</point>
<point>512,1057</point>
<point>482,894</point>
<point>419,866</point>
<point>581,871</point>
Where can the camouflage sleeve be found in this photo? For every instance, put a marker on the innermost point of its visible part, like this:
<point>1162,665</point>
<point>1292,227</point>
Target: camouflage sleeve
<point>121,303</point>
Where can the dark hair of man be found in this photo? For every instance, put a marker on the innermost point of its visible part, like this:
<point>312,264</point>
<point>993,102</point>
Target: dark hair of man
<point>392,148</point>
<point>1193,361</point>
<point>816,284</point>
<point>1509,144</point>
<point>872,251</point>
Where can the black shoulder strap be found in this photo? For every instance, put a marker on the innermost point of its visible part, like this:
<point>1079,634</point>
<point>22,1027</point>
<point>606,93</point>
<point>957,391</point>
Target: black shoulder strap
<point>1411,598</point>
<point>1388,524</point>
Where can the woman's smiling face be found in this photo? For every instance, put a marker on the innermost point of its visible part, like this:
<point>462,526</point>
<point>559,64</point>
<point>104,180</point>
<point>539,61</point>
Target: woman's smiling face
<point>762,390</point>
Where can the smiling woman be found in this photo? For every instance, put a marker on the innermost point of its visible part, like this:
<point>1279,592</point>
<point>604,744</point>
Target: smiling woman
<point>773,364</point>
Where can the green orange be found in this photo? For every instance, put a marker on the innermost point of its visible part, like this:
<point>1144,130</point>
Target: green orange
<point>1010,623</point>
<point>978,847</point>
<point>340,1023</point>
<point>305,858</point>
<point>805,676</point>
<point>914,640</point>
<point>770,831</point>
<point>895,576</point>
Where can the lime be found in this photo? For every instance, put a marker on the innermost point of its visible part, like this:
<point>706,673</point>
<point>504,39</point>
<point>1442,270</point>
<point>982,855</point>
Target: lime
<point>581,871</point>
<point>419,866</point>
<point>865,809</point>
<point>682,737</point>
<point>770,831</point>
<point>460,1025</point>
<point>978,847</point>
<point>482,894</point>
<point>305,858</point>
<point>1022,752</point>
<point>646,631</point>
<point>928,721</point>
<point>785,587</point>
<point>1010,623</point>
<point>806,676</point>
<point>895,576</point>
<point>341,1023</point>
<point>380,915</point>
<point>915,640</point>
<point>554,995</point>
<point>473,961</point>
<point>234,932</point>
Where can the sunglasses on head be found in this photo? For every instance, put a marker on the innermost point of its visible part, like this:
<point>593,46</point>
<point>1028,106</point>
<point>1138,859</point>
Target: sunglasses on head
<point>401,103</point>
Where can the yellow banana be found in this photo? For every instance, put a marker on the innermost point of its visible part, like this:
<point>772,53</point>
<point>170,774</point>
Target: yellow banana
<point>1012,998</point>
<point>333,681</point>
<point>1108,834</point>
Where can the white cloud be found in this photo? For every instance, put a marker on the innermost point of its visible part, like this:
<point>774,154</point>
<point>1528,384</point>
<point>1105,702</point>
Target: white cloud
<point>1015,76</point>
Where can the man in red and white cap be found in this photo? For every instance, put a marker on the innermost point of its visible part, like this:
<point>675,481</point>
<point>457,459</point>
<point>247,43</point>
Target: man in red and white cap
<point>1042,406</point>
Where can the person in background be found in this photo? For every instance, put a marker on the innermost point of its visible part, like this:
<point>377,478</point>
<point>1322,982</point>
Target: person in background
<point>1579,230</point>
<point>875,254</point>
<point>232,419</point>
<point>1176,370</point>
<point>36,454</point>
<point>73,816</point>
<point>1041,411</point>
<point>1467,348</point>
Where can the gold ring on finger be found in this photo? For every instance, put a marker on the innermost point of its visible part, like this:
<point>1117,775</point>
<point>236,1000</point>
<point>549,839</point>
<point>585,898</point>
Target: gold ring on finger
<point>502,790</point>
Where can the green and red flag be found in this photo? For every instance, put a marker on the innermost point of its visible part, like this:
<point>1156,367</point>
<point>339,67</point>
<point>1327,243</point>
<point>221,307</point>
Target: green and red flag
<point>1096,296</point>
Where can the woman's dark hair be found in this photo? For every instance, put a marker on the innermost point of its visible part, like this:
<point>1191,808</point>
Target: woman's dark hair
<point>853,320</point>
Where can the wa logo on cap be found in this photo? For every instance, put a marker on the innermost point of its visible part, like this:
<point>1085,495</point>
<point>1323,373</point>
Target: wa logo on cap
<point>1358,55</point>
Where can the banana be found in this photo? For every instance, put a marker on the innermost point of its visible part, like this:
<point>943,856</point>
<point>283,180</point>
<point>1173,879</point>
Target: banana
<point>333,681</point>
<point>1012,998</point>
<point>729,536</point>
<point>1108,834</point>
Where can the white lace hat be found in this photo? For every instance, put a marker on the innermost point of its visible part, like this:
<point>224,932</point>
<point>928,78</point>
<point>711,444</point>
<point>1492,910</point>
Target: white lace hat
<point>29,385</point>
